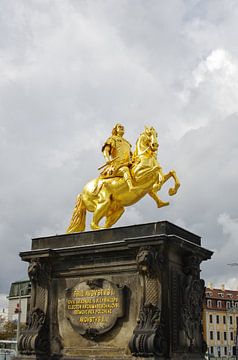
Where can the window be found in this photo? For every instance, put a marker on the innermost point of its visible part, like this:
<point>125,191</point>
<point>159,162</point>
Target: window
<point>224,319</point>
<point>211,349</point>
<point>211,335</point>
<point>209,303</point>
<point>217,319</point>
<point>225,350</point>
<point>228,304</point>
<point>232,336</point>
<point>219,303</point>
<point>237,320</point>
<point>231,320</point>
<point>218,335</point>
<point>225,338</point>
<point>210,318</point>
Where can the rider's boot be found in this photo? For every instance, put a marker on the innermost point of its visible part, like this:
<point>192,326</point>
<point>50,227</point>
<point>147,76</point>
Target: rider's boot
<point>127,177</point>
<point>130,185</point>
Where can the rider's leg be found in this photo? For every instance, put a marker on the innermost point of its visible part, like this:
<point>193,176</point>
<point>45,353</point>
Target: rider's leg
<point>127,176</point>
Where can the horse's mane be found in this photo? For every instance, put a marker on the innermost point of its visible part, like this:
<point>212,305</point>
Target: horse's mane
<point>140,139</point>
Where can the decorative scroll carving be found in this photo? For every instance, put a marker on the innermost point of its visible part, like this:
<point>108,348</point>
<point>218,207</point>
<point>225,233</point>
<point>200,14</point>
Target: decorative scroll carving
<point>148,337</point>
<point>35,339</point>
<point>175,296</point>
<point>192,301</point>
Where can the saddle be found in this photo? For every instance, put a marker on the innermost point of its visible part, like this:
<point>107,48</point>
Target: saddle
<point>112,170</point>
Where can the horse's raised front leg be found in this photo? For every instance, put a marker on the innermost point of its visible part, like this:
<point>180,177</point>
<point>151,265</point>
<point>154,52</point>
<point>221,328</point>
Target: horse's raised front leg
<point>172,190</point>
<point>160,203</point>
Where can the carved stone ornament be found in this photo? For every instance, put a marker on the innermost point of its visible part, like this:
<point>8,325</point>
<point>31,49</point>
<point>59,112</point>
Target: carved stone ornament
<point>149,262</point>
<point>34,339</point>
<point>93,306</point>
<point>192,301</point>
<point>148,339</point>
<point>38,271</point>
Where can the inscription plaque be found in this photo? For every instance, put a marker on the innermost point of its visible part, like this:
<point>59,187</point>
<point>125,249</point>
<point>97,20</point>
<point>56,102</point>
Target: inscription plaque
<point>93,306</point>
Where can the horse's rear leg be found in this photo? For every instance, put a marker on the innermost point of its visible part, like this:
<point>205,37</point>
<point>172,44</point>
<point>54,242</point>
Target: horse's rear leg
<point>98,214</point>
<point>102,207</point>
<point>113,216</point>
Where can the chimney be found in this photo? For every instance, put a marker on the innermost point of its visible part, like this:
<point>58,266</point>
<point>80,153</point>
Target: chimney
<point>223,287</point>
<point>210,285</point>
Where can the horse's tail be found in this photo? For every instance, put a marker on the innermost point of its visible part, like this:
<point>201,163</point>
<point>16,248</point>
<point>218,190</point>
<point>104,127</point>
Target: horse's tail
<point>78,220</point>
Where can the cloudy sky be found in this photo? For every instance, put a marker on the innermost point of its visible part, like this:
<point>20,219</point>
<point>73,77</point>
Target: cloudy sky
<point>71,69</point>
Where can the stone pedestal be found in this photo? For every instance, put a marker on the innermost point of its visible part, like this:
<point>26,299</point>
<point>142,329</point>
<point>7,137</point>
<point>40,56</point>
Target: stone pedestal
<point>121,293</point>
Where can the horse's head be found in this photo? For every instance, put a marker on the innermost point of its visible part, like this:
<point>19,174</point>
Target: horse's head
<point>152,138</point>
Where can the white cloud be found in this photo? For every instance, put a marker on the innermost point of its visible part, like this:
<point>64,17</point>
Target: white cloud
<point>225,254</point>
<point>230,246</point>
<point>219,62</point>
<point>211,89</point>
<point>229,226</point>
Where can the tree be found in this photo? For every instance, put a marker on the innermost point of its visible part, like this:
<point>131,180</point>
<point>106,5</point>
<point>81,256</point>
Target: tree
<point>8,331</point>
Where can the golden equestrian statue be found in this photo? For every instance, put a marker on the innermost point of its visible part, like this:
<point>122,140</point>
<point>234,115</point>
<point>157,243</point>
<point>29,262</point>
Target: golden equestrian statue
<point>124,180</point>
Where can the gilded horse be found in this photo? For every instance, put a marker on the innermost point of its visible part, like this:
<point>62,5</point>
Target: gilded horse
<point>107,197</point>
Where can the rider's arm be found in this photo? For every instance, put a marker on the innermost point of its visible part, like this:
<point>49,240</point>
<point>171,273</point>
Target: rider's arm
<point>106,152</point>
<point>108,148</point>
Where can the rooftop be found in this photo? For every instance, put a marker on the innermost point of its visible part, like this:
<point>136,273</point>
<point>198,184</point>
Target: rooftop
<point>23,286</point>
<point>221,294</point>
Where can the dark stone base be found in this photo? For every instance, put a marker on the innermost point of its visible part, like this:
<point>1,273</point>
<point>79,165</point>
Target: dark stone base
<point>124,293</point>
<point>175,357</point>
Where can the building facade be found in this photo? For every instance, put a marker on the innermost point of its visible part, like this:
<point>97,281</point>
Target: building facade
<point>19,299</point>
<point>220,320</point>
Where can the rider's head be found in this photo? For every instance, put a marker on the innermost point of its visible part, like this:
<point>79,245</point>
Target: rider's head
<point>118,130</point>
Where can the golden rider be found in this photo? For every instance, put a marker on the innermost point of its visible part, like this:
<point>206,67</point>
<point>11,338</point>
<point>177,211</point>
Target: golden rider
<point>117,152</point>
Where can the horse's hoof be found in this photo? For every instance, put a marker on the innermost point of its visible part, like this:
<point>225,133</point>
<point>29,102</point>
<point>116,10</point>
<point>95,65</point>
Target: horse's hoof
<point>162,203</point>
<point>172,192</point>
<point>94,226</point>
